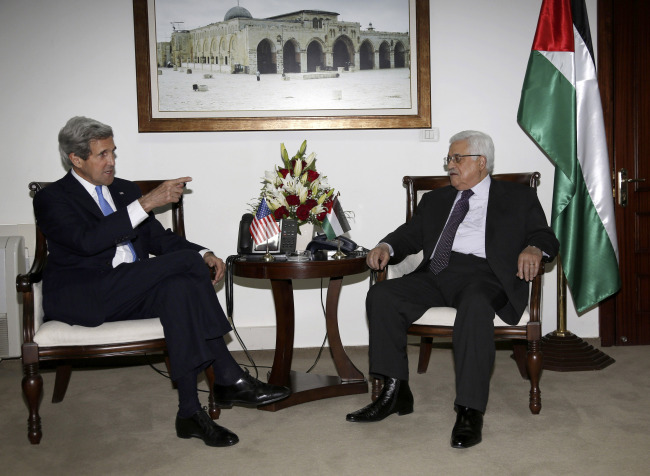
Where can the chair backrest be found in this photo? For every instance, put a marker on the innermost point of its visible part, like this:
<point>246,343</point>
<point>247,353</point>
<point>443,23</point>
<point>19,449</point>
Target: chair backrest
<point>416,186</point>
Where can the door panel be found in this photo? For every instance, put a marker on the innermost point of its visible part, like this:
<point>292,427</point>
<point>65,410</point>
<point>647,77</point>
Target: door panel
<point>624,77</point>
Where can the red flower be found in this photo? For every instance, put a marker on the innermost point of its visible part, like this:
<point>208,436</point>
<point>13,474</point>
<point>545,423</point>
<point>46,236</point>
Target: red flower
<point>302,212</point>
<point>281,213</point>
<point>284,172</point>
<point>312,175</point>
<point>321,216</point>
<point>293,200</point>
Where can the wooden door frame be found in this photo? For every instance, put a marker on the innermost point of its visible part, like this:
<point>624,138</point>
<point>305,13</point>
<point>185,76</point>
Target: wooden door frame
<point>605,64</point>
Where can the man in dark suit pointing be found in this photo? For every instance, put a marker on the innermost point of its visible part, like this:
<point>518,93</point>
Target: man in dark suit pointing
<point>100,232</point>
<point>482,242</point>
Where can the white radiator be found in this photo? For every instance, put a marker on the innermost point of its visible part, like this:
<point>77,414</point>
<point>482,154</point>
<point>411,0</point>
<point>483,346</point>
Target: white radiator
<point>12,263</point>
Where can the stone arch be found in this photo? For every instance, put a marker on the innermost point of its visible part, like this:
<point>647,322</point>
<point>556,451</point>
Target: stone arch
<point>205,50</point>
<point>366,55</point>
<point>214,49</point>
<point>400,55</point>
<point>315,56</point>
<point>384,55</point>
<point>291,57</point>
<point>343,52</point>
<point>266,61</point>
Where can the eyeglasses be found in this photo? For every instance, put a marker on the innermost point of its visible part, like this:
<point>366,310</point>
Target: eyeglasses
<point>457,158</point>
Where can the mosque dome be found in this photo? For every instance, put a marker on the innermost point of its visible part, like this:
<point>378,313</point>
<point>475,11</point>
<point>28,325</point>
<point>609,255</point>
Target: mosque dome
<point>237,12</point>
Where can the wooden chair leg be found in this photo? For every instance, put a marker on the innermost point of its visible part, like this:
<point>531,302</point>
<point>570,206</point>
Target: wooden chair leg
<point>213,410</point>
<point>520,353</point>
<point>425,354</point>
<point>61,382</point>
<point>33,391</point>
<point>534,366</point>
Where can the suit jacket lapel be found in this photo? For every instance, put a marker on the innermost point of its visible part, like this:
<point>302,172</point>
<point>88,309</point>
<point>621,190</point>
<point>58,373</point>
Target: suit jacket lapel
<point>72,186</point>
<point>118,195</point>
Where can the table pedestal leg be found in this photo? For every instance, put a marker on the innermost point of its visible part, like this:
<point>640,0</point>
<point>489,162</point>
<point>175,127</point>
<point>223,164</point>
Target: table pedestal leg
<point>309,387</point>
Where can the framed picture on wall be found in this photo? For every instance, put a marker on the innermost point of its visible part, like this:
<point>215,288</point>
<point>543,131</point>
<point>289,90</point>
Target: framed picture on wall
<point>228,65</point>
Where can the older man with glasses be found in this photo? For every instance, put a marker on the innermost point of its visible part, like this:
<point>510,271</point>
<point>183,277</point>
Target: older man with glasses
<point>483,241</point>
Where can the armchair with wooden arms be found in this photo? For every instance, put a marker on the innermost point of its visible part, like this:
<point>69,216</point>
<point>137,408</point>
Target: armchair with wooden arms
<point>439,321</point>
<point>60,342</point>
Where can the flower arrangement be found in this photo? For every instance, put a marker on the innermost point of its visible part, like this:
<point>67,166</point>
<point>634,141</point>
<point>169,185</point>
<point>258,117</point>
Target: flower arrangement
<point>296,190</point>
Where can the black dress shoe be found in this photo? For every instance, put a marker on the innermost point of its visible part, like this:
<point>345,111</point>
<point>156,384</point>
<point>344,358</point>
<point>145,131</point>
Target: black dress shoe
<point>468,427</point>
<point>248,391</point>
<point>395,397</point>
<point>200,425</point>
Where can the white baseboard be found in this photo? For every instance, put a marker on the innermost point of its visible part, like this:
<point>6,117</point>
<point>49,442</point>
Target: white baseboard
<point>254,338</point>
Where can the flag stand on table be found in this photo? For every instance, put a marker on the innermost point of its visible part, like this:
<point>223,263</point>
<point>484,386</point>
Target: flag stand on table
<point>335,224</point>
<point>560,110</point>
<point>264,227</point>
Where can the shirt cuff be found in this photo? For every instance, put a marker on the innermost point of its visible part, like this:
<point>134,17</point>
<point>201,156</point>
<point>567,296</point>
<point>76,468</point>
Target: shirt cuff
<point>390,248</point>
<point>136,213</point>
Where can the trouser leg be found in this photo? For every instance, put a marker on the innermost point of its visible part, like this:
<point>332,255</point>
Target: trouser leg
<point>392,306</point>
<point>177,289</point>
<point>477,294</point>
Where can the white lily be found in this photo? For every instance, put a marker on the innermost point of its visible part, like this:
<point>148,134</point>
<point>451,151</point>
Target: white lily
<point>310,159</point>
<point>289,184</point>
<point>297,170</point>
<point>270,176</point>
<point>317,210</point>
<point>302,193</point>
<point>314,187</point>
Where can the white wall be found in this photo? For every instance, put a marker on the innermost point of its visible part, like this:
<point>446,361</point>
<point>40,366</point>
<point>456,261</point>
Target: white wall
<point>62,58</point>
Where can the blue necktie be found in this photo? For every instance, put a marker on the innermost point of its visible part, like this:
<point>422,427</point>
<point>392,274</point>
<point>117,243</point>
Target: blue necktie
<point>440,258</point>
<point>107,210</point>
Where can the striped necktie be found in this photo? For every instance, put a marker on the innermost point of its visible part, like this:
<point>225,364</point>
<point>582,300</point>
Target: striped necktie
<point>107,210</point>
<point>440,258</point>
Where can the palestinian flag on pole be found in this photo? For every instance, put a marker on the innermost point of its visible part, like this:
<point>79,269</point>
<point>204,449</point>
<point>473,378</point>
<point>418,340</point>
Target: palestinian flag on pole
<point>560,109</point>
<point>335,223</point>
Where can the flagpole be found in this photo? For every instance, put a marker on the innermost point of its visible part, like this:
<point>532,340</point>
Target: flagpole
<point>564,351</point>
<point>268,257</point>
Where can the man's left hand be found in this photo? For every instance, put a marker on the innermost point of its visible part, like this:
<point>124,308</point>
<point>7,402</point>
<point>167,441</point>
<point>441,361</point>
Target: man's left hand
<point>528,263</point>
<point>216,263</point>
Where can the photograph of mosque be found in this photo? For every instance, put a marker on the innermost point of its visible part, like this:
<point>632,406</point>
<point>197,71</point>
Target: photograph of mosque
<point>242,62</point>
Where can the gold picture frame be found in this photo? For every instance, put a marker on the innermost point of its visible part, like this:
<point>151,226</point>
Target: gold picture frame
<point>251,120</point>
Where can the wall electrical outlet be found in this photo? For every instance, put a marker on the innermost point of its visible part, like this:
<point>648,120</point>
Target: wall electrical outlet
<point>430,135</point>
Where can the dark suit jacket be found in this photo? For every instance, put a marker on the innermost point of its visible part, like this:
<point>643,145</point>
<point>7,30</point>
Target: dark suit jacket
<point>515,219</point>
<point>81,242</point>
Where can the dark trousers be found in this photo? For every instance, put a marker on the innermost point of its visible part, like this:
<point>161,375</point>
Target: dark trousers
<point>468,285</point>
<point>175,287</point>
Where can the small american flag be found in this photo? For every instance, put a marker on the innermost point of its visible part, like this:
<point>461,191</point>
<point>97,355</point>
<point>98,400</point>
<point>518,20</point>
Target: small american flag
<point>264,226</point>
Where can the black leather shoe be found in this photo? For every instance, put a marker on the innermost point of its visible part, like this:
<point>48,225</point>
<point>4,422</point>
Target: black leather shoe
<point>395,397</point>
<point>468,427</point>
<point>248,391</point>
<point>200,425</point>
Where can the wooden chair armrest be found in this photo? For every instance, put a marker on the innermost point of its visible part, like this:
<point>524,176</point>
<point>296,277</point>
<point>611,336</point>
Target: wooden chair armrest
<point>536,294</point>
<point>382,275</point>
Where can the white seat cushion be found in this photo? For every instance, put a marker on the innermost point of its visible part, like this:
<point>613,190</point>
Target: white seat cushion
<point>445,316</point>
<point>57,334</point>
<point>437,316</point>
